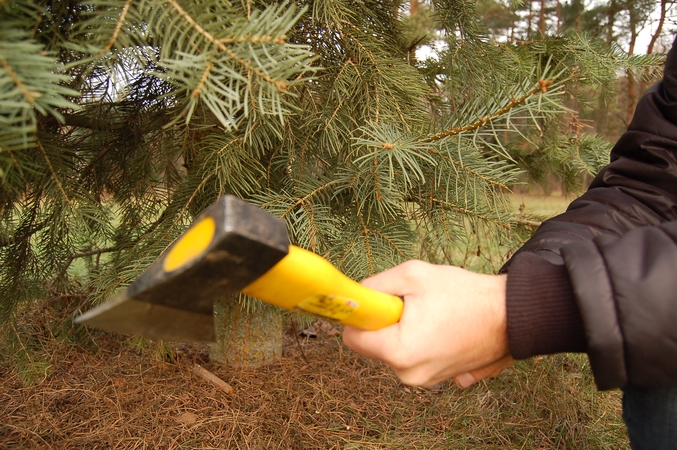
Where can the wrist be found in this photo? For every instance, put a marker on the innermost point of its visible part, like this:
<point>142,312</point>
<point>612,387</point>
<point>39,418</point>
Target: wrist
<point>497,296</point>
<point>542,314</point>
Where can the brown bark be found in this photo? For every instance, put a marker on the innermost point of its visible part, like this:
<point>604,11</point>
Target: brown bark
<point>631,91</point>
<point>659,28</point>
<point>654,39</point>
<point>246,338</point>
<point>529,19</point>
<point>611,19</point>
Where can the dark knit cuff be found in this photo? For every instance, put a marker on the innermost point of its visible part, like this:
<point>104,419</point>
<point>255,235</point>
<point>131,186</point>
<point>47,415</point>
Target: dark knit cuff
<point>543,317</point>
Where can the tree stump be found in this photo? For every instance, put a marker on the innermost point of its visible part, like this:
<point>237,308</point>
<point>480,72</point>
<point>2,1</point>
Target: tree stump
<point>248,333</point>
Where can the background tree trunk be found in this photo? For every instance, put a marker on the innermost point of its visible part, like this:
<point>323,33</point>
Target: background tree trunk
<point>541,19</point>
<point>659,27</point>
<point>631,91</point>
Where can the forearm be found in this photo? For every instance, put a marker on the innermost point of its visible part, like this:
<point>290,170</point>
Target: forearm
<point>612,297</point>
<point>543,317</point>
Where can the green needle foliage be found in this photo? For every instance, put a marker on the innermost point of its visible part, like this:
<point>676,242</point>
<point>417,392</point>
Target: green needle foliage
<point>122,120</point>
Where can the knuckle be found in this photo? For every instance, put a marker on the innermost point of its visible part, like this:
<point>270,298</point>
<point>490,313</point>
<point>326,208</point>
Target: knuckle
<point>415,377</point>
<point>414,268</point>
<point>400,360</point>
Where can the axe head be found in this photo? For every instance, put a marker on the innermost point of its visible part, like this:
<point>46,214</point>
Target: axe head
<point>228,246</point>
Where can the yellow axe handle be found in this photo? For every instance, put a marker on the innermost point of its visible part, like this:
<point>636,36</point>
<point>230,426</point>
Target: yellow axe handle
<point>305,282</point>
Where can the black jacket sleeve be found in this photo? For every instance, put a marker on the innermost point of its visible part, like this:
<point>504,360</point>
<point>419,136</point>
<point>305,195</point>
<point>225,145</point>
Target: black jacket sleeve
<point>602,277</point>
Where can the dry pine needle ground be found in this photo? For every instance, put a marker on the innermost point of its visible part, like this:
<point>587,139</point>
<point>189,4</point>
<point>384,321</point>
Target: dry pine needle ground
<point>103,394</point>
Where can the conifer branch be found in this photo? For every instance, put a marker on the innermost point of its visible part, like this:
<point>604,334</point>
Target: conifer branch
<point>378,105</point>
<point>30,96</point>
<point>231,142</point>
<point>542,87</point>
<point>305,198</point>
<point>469,170</point>
<point>367,246</point>
<point>118,28</point>
<point>279,84</point>
<point>99,251</point>
<point>177,218</point>
<point>51,169</point>
<point>203,79</point>
<point>346,250</point>
<point>313,225</point>
<point>526,222</point>
<point>190,200</point>
<point>11,155</point>
<point>377,67</point>
<point>333,115</point>
<point>392,243</point>
<point>342,97</point>
<point>446,228</point>
<point>75,256</point>
<point>470,212</point>
<point>306,90</point>
<point>376,182</point>
<point>256,39</point>
<point>478,175</point>
<point>359,44</point>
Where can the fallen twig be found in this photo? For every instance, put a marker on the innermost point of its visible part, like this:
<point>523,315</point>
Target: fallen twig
<point>216,381</point>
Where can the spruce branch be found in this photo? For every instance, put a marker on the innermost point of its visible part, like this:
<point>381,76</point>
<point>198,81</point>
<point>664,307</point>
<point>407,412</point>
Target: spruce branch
<point>526,222</point>
<point>337,109</point>
<point>467,169</point>
<point>29,96</point>
<point>356,41</point>
<point>118,28</point>
<point>381,75</point>
<point>54,176</point>
<point>541,87</point>
<point>365,233</point>
<point>220,44</point>
<point>471,213</point>
<point>305,198</point>
<point>203,78</point>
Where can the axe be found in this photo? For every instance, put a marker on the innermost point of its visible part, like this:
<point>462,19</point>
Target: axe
<point>234,246</point>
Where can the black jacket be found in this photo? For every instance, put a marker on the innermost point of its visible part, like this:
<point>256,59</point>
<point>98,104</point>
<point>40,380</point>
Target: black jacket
<point>602,277</point>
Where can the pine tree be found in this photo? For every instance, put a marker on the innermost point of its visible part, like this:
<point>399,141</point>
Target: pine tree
<point>122,120</point>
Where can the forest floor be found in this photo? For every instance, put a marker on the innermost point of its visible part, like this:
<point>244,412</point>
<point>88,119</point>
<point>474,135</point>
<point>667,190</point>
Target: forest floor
<point>73,388</point>
<point>319,395</point>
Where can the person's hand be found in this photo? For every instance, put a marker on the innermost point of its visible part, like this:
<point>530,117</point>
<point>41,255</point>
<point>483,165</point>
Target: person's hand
<point>492,370</point>
<point>453,325</point>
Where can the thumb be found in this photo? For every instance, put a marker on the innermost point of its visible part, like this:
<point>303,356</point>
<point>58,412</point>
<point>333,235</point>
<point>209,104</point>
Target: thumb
<point>494,369</point>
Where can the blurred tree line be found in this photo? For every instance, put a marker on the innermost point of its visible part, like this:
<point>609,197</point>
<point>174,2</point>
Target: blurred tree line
<point>636,26</point>
<point>121,120</point>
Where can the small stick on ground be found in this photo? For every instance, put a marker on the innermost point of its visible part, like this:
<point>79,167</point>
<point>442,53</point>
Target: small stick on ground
<point>298,344</point>
<point>216,381</point>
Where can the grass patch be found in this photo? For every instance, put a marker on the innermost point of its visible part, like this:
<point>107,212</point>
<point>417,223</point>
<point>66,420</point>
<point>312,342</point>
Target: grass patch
<point>543,206</point>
